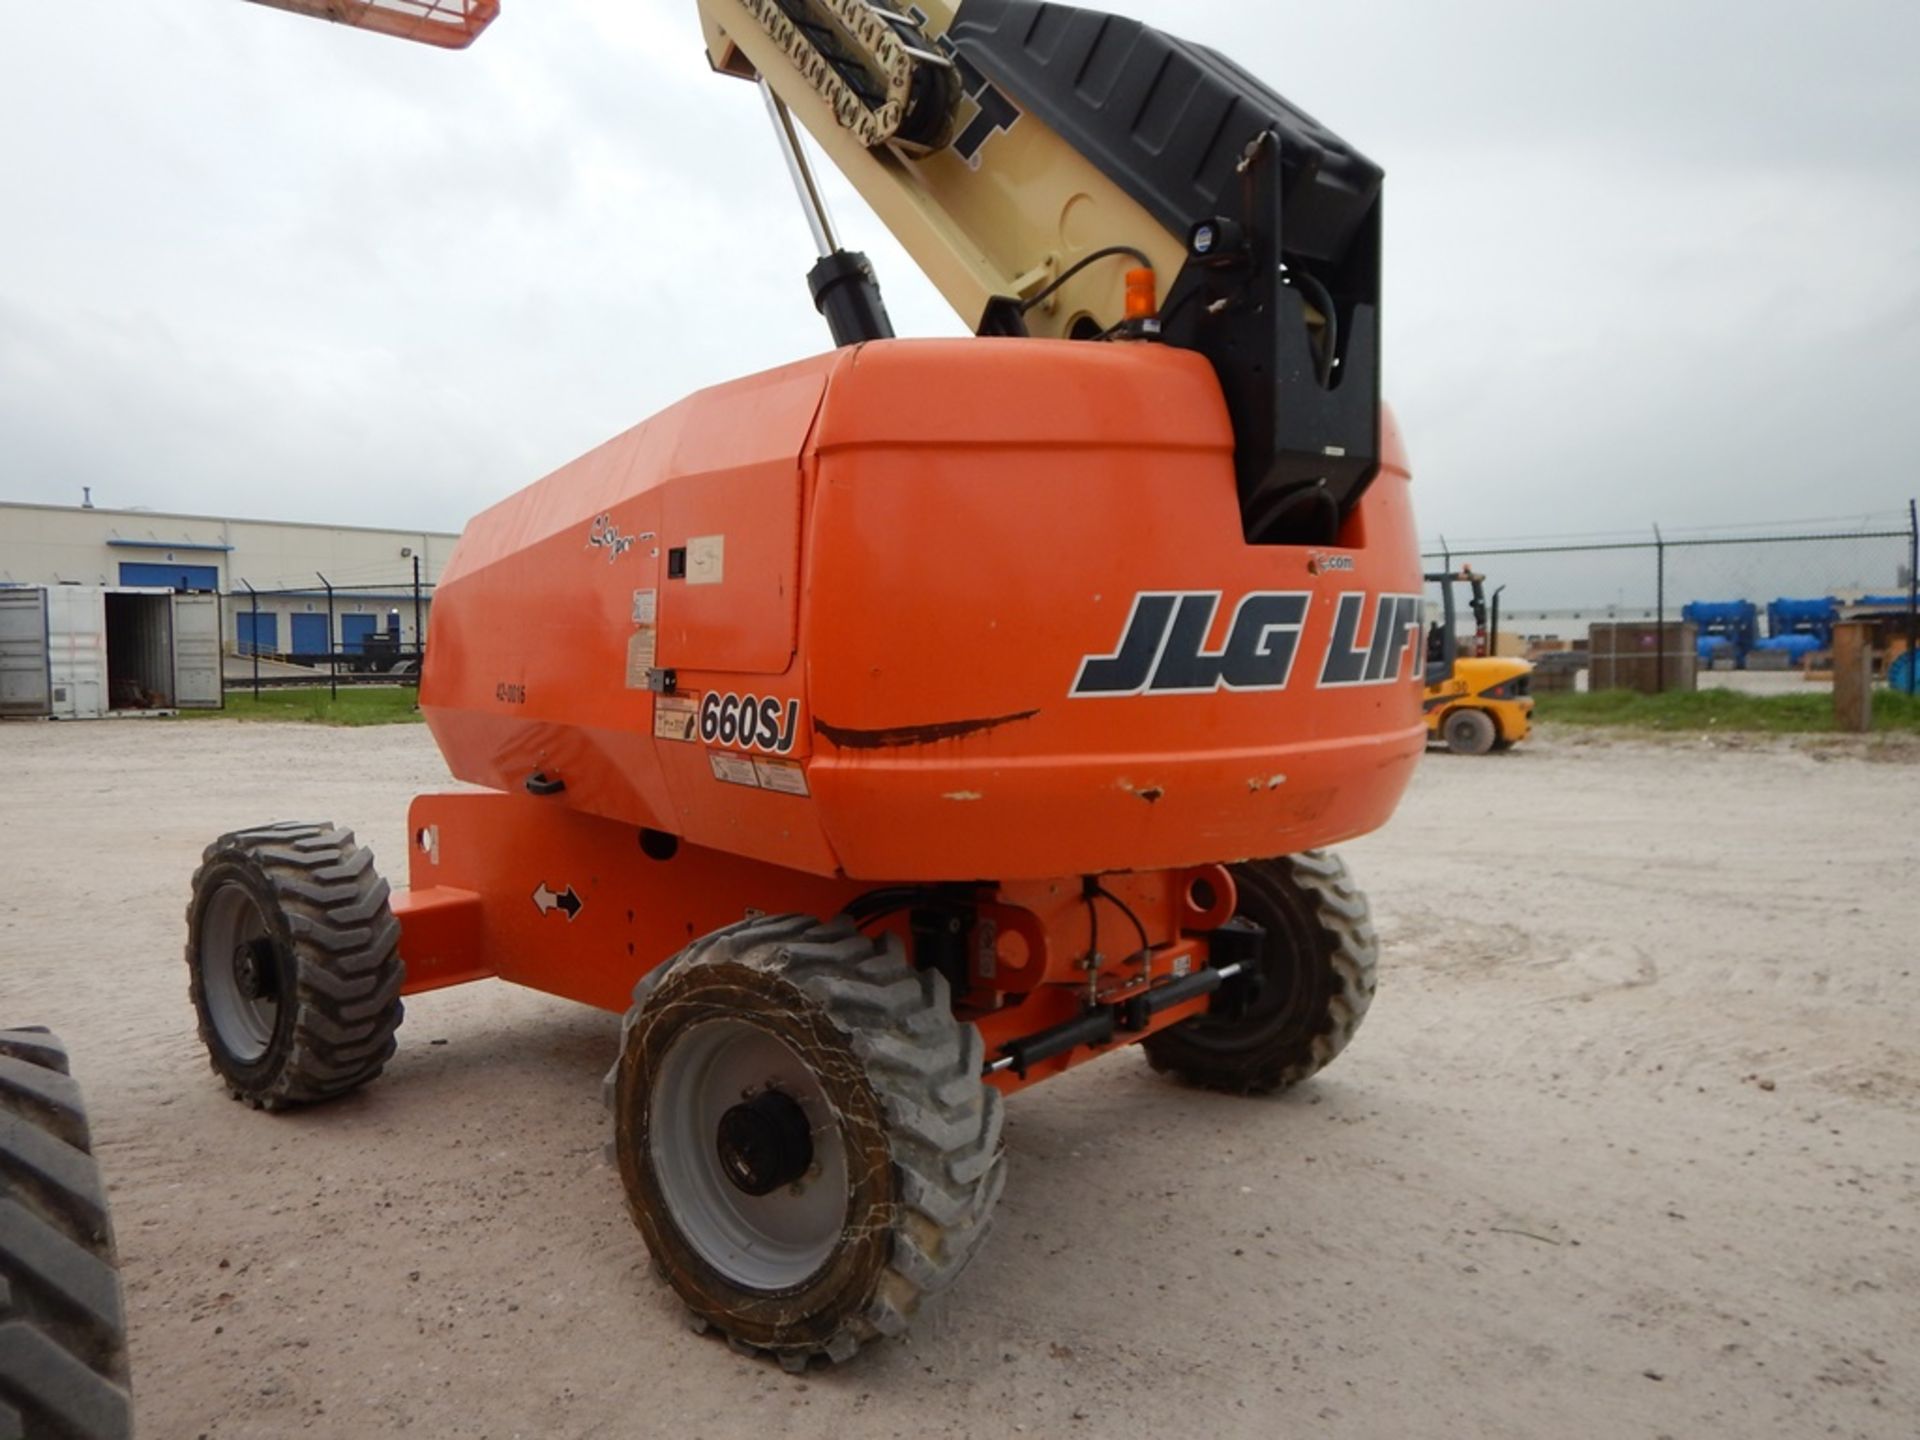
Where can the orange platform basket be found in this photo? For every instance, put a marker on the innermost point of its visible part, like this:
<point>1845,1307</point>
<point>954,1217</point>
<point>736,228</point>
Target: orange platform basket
<point>450,24</point>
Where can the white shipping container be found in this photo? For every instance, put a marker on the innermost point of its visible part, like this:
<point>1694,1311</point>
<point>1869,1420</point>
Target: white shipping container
<point>77,651</point>
<point>107,650</point>
<point>196,652</point>
<point>23,652</point>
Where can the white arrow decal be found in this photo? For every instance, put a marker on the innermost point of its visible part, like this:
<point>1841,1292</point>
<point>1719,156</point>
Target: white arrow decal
<point>567,902</point>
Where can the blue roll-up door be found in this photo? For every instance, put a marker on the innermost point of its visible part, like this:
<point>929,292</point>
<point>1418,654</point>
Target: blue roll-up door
<point>354,629</point>
<point>170,577</point>
<point>309,634</point>
<point>265,637</point>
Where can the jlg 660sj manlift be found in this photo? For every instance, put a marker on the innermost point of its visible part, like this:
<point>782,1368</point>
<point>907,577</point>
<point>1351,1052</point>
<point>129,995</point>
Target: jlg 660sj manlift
<point>892,731</point>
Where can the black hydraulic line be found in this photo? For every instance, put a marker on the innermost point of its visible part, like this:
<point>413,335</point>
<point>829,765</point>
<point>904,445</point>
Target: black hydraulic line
<point>890,900</point>
<point>1082,263</point>
<point>1105,894</point>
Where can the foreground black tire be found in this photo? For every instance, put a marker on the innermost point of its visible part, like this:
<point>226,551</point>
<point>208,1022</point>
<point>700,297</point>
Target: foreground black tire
<point>804,1136</point>
<point>293,956</point>
<point>1318,970</point>
<point>63,1333</point>
<point>1469,732</point>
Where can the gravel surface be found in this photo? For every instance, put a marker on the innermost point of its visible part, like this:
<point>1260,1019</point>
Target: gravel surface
<point>1629,1146</point>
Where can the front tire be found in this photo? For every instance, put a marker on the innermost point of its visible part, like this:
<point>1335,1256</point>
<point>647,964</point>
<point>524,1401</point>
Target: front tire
<point>1469,732</point>
<point>293,959</point>
<point>804,1136</point>
<point>63,1332</point>
<point>1318,970</point>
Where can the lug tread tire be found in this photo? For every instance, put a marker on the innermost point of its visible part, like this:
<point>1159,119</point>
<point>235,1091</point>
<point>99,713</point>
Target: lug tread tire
<point>1344,943</point>
<point>945,1122</point>
<point>63,1347</point>
<point>1469,731</point>
<point>345,945</point>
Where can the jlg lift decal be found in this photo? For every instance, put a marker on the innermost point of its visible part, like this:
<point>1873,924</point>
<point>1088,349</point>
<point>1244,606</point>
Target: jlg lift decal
<point>1396,634</point>
<point>1162,648</point>
<point>747,722</point>
<point>1163,645</point>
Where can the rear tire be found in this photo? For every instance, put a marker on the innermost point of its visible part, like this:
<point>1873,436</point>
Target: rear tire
<point>293,957</point>
<point>1318,971</point>
<point>63,1332</point>
<point>1469,732</point>
<point>805,1139</point>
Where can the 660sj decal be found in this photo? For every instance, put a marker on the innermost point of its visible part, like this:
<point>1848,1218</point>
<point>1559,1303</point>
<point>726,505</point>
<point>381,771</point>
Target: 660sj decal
<point>749,722</point>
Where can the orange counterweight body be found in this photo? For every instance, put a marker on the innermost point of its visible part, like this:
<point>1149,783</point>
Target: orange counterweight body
<point>923,611</point>
<point>976,614</point>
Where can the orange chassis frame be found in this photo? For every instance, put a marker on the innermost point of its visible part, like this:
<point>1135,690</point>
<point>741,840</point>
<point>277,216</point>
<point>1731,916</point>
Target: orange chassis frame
<point>913,547</point>
<point>468,917</point>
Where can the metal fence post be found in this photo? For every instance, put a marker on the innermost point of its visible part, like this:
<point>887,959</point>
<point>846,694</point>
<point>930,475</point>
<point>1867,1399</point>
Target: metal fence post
<point>419,630</point>
<point>333,668</point>
<point>1913,597</point>
<point>1659,612</point>
<point>254,644</point>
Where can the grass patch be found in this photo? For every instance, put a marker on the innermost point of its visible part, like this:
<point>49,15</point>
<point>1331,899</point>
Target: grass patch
<point>357,705</point>
<point>1726,710</point>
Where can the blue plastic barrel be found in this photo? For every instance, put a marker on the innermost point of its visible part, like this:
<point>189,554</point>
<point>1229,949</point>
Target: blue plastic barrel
<point>1904,674</point>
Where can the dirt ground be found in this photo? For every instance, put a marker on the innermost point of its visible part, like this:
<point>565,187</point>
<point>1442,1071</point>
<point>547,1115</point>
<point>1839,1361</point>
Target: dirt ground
<point>1629,1147</point>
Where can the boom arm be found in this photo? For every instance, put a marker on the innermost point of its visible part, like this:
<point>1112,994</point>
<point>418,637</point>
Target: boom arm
<point>1005,142</point>
<point>1029,155</point>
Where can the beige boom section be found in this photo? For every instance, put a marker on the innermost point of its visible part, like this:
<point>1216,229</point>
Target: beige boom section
<point>981,231</point>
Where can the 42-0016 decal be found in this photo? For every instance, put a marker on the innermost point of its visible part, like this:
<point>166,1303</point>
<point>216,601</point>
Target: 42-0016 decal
<point>749,722</point>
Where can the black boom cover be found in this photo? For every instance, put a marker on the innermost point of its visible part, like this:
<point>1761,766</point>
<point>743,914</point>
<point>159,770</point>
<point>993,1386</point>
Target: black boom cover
<point>1293,221</point>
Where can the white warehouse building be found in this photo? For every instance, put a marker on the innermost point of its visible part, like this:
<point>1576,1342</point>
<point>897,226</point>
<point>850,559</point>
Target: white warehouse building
<point>272,575</point>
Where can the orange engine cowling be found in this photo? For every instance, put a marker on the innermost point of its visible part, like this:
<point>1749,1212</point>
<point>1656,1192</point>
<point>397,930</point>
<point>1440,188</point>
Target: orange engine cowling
<point>937,610</point>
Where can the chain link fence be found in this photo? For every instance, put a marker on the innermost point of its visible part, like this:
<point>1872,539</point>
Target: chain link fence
<point>322,633</point>
<point>1553,590</point>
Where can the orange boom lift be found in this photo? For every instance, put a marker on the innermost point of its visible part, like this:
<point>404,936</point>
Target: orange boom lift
<point>906,726</point>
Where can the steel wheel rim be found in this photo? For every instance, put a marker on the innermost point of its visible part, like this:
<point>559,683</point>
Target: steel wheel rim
<point>233,934</point>
<point>769,1242</point>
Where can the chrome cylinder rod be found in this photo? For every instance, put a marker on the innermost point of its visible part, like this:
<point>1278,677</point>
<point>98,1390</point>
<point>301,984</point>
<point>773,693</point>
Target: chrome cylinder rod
<point>805,184</point>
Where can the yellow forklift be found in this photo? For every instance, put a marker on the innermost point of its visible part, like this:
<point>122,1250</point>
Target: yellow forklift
<point>1480,702</point>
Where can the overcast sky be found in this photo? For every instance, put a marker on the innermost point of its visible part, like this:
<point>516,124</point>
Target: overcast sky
<point>1645,261</point>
